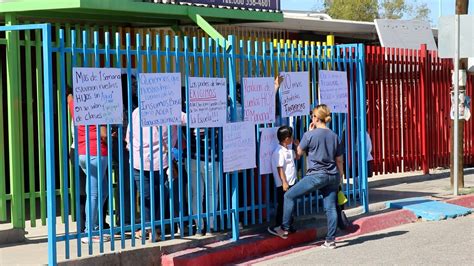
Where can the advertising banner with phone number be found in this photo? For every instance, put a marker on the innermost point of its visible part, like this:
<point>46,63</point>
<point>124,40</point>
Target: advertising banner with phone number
<point>254,4</point>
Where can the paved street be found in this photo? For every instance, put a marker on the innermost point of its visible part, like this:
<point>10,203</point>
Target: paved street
<point>448,242</point>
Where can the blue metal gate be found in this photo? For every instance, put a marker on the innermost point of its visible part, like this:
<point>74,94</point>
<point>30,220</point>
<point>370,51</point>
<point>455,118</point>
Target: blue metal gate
<point>244,197</point>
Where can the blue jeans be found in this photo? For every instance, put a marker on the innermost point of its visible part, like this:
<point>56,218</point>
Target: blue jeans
<point>328,186</point>
<point>94,178</point>
<point>146,192</point>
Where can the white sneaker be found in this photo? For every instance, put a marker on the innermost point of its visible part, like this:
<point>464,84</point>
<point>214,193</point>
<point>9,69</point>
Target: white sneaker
<point>277,231</point>
<point>329,244</point>
<point>95,239</point>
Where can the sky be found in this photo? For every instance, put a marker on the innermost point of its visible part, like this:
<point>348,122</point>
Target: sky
<point>447,6</point>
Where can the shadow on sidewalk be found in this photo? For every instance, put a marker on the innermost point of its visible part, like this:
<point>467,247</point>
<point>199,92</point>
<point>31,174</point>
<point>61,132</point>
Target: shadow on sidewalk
<point>361,239</point>
<point>412,179</point>
<point>376,195</point>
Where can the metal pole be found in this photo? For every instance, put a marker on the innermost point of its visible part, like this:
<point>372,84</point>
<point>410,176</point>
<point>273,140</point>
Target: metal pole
<point>440,8</point>
<point>456,103</point>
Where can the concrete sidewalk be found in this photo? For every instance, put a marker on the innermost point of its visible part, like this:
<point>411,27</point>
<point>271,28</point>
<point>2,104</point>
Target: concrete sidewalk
<point>382,189</point>
<point>261,246</point>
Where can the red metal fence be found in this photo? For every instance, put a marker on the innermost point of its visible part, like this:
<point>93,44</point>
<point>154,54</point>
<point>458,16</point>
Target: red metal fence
<point>408,104</point>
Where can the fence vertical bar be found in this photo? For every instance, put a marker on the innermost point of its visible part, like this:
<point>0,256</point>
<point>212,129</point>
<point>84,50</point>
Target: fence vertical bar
<point>59,117</point>
<point>188,137</point>
<point>3,150</point>
<point>15,143</point>
<point>122,180</point>
<point>425,67</point>
<point>41,130</point>
<point>109,155</point>
<point>233,98</point>
<point>130,111</point>
<point>363,125</point>
<point>161,145</point>
<point>50,146</point>
<point>252,174</point>
<point>63,139</point>
<point>30,126</point>
<point>74,58</point>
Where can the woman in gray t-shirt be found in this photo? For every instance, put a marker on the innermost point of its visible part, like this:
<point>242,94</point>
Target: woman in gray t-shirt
<point>325,168</point>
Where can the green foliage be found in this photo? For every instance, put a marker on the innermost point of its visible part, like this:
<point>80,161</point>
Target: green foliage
<point>393,9</point>
<point>360,10</point>
<point>368,10</point>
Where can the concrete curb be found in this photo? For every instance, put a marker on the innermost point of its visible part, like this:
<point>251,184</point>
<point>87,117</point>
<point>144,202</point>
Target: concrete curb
<point>227,252</point>
<point>257,245</point>
<point>12,236</point>
<point>465,201</point>
<point>382,221</point>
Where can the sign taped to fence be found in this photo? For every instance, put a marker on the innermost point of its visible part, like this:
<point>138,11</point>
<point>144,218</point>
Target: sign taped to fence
<point>97,96</point>
<point>207,102</point>
<point>160,99</point>
<point>259,100</point>
<point>294,93</point>
<point>268,143</point>
<point>239,146</point>
<point>333,90</point>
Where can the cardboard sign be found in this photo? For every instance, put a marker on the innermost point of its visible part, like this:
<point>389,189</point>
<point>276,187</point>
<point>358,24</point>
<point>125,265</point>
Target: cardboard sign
<point>97,96</point>
<point>160,99</point>
<point>294,93</point>
<point>333,90</point>
<point>259,100</point>
<point>268,143</point>
<point>207,102</point>
<point>239,146</point>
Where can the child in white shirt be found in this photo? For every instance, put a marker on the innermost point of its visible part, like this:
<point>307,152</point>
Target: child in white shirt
<point>283,168</point>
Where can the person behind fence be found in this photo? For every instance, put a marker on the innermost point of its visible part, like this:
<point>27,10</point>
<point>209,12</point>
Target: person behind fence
<point>284,170</point>
<point>94,177</point>
<point>209,179</point>
<point>142,152</point>
<point>324,172</point>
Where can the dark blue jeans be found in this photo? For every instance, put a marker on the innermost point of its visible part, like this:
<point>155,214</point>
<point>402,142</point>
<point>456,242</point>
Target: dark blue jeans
<point>328,186</point>
<point>147,194</point>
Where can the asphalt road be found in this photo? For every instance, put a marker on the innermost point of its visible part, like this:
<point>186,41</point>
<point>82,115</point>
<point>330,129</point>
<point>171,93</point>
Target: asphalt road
<point>448,242</point>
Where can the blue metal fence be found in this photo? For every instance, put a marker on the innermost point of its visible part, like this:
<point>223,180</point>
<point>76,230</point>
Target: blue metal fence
<point>244,197</point>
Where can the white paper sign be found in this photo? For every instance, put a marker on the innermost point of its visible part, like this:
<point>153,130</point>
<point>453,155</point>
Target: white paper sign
<point>268,143</point>
<point>160,99</point>
<point>259,100</point>
<point>294,93</point>
<point>239,146</point>
<point>333,90</point>
<point>97,96</point>
<point>207,102</point>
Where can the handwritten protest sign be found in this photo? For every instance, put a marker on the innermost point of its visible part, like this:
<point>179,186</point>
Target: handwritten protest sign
<point>294,93</point>
<point>333,90</point>
<point>259,100</point>
<point>160,99</point>
<point>268,143</point>
<point>207,102</point>
<point>97,96</point>
<point>239,146</point>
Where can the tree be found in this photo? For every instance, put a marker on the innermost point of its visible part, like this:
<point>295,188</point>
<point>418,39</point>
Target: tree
<point>368,10</point>
<point>393,9</point>
<point>360,10</point>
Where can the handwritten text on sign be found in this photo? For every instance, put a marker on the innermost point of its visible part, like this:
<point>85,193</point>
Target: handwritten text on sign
<point>333,90</point>
<point>259,100</point>
<point>268,143</point>
<point>160,99</point>
<point>97,96</point>
<point>239,146</point>
<point>294,94</point>
<point>207,102</point>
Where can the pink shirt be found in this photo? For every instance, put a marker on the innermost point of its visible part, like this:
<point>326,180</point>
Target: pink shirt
<point>146,143</point>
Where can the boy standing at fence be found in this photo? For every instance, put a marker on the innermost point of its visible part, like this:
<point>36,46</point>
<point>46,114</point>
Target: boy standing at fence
<point>284,170</point>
